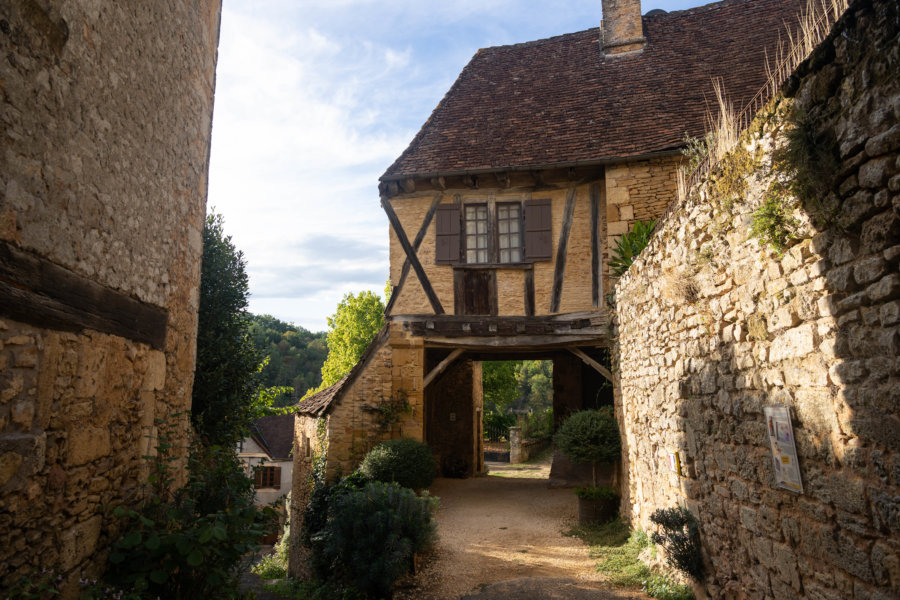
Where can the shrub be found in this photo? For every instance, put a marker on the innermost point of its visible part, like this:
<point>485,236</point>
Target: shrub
<point>630,245</point>
<point>405,461</point>
<point>370,535</point>
<point>603,492</point>
<point>590,436</point>
<point>191,542</point>
<point>680,535</point>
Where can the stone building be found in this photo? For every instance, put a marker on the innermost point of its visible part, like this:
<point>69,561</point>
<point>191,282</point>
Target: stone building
<point>504,206</point>
<point>105,117</point>
<point>268,458</point>
<point>715,331</point>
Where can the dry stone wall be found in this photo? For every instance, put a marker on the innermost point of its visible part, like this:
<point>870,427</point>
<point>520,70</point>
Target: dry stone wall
<point>105,116</point>
<point>712,327</point>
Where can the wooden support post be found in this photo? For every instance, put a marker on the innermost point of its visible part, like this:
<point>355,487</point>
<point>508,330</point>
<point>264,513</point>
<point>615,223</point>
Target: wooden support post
<point>559,272</point>
<point>595,246</point>
<point>411,255</point>
<point>591,362</point>
<point>442,366</point>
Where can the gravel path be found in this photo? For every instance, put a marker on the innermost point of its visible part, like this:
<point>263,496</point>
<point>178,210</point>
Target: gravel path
<point>500,537</point>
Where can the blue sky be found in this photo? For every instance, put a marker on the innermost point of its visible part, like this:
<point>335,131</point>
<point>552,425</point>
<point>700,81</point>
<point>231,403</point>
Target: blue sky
<point>314,100</point>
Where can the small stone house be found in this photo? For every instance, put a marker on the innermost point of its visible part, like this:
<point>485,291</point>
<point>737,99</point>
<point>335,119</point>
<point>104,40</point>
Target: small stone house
<point>505,205</point>
<point>267,455</point>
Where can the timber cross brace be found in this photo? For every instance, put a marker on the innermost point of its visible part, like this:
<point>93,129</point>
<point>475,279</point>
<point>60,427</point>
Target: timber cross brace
<point>412,257</point>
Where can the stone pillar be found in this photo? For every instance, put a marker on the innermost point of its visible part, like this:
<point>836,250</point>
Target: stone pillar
<point>516,452</point>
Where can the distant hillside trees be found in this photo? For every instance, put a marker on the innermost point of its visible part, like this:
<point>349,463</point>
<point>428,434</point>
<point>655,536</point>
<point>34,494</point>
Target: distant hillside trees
<point>296,356</point>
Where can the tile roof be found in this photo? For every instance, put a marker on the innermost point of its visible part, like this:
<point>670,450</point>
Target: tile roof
<point>275,434</point>
<point>560,101</point>
<point>320,403</point>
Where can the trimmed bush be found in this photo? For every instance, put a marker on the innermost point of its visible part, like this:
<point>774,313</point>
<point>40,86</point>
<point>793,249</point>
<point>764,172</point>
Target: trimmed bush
<point>370,535</point>
<point>590,436</point>
<point>404,461</point>
<point>680,535</point>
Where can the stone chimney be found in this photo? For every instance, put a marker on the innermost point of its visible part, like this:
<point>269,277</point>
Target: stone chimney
<point>621,27</point>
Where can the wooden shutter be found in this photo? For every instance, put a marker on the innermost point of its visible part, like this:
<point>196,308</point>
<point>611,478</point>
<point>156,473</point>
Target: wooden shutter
<point>277,483</point>
<point>538,230</point>
<point>446,226</point>
<point>258,477</point>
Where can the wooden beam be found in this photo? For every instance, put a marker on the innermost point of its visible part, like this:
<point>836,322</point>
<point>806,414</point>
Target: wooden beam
<point>503,179</point>
<point>525,342</point>
<point>595,245</point>
<point>408,185</point>
<point>559,272</point>
<point>439,182</point>
<point>441,367</point>
<point>411,255</point>
<point>471,181</point>
<point>39,292</point>
<point>420,236</point>
<point>529,292</point>
<point>591,362</point>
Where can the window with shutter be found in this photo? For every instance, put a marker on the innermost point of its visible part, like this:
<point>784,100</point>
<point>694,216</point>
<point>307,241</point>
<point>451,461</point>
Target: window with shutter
<point>448,231</point>
<point>538,230</point>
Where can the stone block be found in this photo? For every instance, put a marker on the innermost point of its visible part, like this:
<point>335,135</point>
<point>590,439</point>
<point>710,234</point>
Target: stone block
<point>155,377</point>
<point>617,228</point>
<point>794,343</point>
<point>887,288</point>
<point>9,466</point>
<point>79,542</point>
<point>626,212</point>
<point>87,444</point>
<point>889,313</point>
<point>848,492</point>
<point>870,269</point>
<point>884,142</point>
<point>880,232</point>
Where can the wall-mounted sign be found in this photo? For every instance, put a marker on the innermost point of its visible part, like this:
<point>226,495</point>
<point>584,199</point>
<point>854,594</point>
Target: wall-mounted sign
<point>784,452</point>
<point>674,463</point>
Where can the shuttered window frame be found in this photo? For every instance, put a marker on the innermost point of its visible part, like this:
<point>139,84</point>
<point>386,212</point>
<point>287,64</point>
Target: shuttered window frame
<point>267,477</point>
<point>537,234</point>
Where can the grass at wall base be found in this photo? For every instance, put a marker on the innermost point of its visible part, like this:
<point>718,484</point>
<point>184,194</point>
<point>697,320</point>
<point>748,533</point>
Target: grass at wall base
<point>592,436</point>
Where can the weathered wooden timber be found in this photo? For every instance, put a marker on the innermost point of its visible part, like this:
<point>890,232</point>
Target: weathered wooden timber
<point>432,375</point>
<point>591,362</point>
<point>420,236</point>
<point>39,292</point>
<point>412,257</point>
<point>591,324</point>
<point>558,273</point>
<point>596,275</point>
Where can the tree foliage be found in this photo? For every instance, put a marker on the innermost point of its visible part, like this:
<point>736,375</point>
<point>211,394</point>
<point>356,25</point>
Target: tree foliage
<point>535,381</point>
<point>499,384</point>
<point>295,356</point>
<point>354,324</point>
<point>590,436</point>
<point>225,383</point>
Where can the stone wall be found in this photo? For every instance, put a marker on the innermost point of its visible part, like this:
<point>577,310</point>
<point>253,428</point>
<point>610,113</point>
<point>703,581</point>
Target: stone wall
<point>712,327</point>
<point>105,113</point>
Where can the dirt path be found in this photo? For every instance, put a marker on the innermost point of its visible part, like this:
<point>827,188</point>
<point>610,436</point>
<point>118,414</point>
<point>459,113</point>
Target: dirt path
<point>507,528</point>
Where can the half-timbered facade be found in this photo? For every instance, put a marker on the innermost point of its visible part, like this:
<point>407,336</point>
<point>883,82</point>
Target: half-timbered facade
<point>504,208</point>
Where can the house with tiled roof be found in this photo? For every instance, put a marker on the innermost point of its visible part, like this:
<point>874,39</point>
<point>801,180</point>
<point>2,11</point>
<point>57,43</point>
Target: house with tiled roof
<point>267,456</point>
<point>505,205</point>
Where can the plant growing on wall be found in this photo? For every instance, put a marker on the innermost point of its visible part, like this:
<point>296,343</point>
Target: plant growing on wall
<point>680,535</point>
<point>630,245</point>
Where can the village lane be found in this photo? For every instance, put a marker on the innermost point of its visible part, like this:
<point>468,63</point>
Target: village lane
<point>501,537</point>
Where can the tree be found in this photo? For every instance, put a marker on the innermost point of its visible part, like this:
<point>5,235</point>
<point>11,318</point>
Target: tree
<point>295,356</point>
<point>499,384</point>
<point>535,380</point>
<point>225,399</point>
<point>350,330</point>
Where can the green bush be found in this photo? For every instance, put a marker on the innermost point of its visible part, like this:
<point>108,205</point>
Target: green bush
<point>630,245</point>
<point>590,436</point>
<point>680,536</point>
<point>603,492</point>
<point>405,461</point>
<point>191,542</point>
<point>370,534</point>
